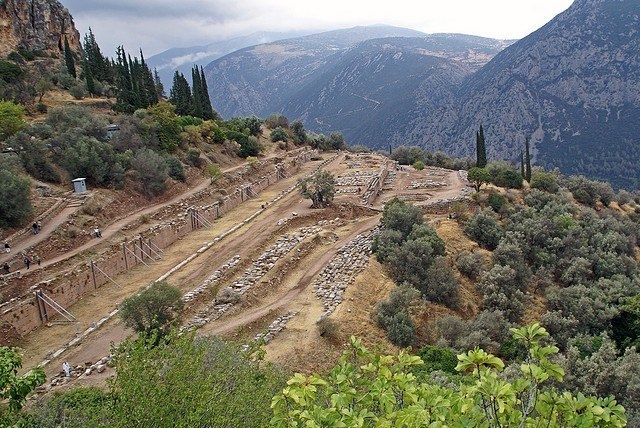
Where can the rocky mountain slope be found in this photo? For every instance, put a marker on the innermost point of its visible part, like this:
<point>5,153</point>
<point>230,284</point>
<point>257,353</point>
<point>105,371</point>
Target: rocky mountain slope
<point>371,91</point>
<point>570,87</point>
<point>260,79</point>
<point>36,25</point>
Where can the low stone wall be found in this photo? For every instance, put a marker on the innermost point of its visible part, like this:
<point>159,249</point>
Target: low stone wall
<point>25,313</point>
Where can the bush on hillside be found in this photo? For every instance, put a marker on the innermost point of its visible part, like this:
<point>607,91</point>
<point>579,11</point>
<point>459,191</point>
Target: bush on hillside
<point>152,171</point>
<point>15,203</point>
<point>484,229</point>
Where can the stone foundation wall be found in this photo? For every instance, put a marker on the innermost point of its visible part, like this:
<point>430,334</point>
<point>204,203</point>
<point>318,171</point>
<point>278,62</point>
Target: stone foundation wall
<point>26,313</point>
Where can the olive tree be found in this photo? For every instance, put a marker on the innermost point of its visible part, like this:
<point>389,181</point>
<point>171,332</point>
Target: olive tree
<point>15,204</point>
<point>320,188</point>
<point>154,309</point>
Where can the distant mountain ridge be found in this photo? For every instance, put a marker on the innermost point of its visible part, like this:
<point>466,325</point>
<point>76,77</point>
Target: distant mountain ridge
<point>183,59</point>
<point>571,88</point>
<point>260,79</point>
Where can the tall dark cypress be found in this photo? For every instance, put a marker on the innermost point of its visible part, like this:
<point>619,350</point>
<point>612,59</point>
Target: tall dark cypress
<point>158,85</point>
<point>481,151</point>
<point>527,162</point>
<point>148,85</point>
<point>88,76</point>
<point>522,164</point>
<point>207,108</point>
<point>95,59</point>
<point>68,58</point>
<point>136,96</point>
<point>197,93</point>
<point>180,95</point>
<point>122,77</point>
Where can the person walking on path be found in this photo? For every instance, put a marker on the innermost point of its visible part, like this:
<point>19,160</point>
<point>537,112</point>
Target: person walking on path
<point>37,259</point>
<point>27,262</point>
<point>34,226</point>
<point>5,268</point>
<point>7,247</point>
<point>97,232</point>
<point>67,369</point>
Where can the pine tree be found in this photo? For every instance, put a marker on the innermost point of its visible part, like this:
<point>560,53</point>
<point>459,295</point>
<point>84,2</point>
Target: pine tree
<point>527,162</point>
<point>207,108</point>
<point>481,151</point>
<point>68,58</point>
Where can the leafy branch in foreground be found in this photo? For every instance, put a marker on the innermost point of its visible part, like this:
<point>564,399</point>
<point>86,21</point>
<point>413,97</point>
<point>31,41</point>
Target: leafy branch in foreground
<point>367,389</point>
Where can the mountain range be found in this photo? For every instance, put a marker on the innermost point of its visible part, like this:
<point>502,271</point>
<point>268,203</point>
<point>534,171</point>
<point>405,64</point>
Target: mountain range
<point>571,88</point>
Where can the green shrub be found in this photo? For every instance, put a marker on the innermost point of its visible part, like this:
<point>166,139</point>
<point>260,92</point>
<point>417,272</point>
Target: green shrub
<point>484,229</point>
<point>471,264</point>
<point>496,202</point>
<point>509,179</point>
<point>78,91</point>
<point>15,57</point>
<point>15,202</point>
<point>152,170</point>
<point>10,72</point>
<point>544,181</point>
<point>401,331</point>
<point>193,157</point>
<point>278,134</point>
<point>328,327</point>
<point>419,165</point>
<point>175,169</point>
<point>437,358</point>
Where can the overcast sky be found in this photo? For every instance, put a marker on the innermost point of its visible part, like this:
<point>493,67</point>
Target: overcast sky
<point>157,25</point>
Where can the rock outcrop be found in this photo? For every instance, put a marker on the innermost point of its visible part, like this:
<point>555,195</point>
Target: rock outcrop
<point>36,25</point>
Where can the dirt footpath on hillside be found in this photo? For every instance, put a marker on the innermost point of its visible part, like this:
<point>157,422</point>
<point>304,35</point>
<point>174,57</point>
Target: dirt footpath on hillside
<point>284,289</point>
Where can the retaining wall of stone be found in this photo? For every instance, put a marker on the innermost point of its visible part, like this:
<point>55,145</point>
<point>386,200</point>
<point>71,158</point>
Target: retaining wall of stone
<point>26,312</point>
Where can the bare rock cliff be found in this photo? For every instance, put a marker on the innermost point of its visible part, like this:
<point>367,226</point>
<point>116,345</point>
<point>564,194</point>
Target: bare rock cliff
<point>36,25</point>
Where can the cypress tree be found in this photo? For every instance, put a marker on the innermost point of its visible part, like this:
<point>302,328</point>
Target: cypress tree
<point>122,77</point>
<point>522,163</point>
<point>88,75</point>
<point>136,96</point>
<point>95,59</point>
<point>197,93</point>
<point>68,58</point>
<point>527,162</point>
<point>481,151</point>
<point>180,95</point>
<point>207,108</point>
<point>158,85</point>
<point>148,84</point>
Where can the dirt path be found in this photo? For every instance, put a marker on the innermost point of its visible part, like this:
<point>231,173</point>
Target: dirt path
<point>248,242</point>
<point>293,288</point>
<point>245,241</point>
<point>107,232</point>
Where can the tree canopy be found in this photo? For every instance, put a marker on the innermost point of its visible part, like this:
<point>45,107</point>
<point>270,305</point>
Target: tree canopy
<point>320,188</point>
